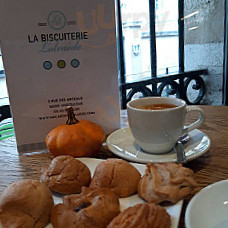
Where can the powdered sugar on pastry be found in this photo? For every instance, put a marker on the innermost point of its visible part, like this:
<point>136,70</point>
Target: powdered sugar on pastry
<point>166,182</point>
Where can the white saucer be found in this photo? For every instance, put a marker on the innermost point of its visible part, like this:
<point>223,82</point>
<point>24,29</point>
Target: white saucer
<point>209,207</point>
<point>121,143</point>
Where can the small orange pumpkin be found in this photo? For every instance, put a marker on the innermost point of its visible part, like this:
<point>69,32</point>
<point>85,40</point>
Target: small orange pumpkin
<point>78,138</point>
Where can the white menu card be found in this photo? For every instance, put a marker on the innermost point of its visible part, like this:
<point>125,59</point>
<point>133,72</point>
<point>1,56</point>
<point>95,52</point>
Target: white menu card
<point>58,53</point>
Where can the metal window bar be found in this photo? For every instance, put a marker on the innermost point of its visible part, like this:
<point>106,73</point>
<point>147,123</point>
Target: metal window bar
<point>181,34</point>
<point>120,53</point>
<point>153,55</point>
<point>181,44</point>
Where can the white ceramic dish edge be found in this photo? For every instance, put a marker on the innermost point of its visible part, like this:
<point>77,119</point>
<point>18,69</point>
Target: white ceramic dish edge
<point>207,205</point>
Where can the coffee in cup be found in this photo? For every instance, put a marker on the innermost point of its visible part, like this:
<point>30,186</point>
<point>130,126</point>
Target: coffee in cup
<point>157,106</point>
<point>157,123</point>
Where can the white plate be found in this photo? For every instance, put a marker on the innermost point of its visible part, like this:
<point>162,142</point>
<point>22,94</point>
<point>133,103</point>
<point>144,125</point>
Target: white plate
<point>209,207</point>
<point>122,143</point>
<point>173,210</point>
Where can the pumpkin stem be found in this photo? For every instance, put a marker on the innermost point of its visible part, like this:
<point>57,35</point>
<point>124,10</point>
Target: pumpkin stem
<point>71,116</point>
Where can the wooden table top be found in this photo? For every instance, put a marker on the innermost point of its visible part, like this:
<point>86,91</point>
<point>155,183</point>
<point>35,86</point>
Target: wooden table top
<point>209,168</point>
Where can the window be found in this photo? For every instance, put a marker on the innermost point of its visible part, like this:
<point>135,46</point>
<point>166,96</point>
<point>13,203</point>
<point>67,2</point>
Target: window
<point>136,30</point>
<point>176,40</point>
<point>4,100</point>
<point>167,40</point>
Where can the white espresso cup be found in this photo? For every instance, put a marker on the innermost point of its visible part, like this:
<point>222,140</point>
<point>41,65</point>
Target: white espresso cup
<point>157,131</point>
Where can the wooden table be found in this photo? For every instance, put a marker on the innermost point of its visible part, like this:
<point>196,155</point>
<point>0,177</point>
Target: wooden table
<point>209,168</point>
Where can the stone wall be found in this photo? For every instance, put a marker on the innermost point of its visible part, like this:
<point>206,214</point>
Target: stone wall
<point>204,42</point>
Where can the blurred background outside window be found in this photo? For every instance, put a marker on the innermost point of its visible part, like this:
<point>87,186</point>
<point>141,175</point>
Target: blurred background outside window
<point>203,42</point>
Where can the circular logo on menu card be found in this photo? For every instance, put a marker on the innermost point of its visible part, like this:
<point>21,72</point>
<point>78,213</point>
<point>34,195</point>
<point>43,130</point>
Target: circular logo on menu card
<point>56,20</point>
<point>75,63</point>
<point>61,64</point>
<point>47,65</point>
